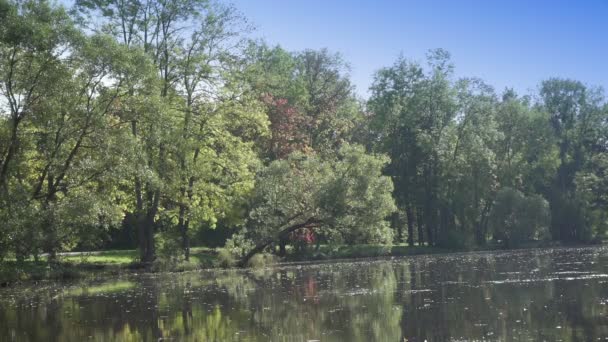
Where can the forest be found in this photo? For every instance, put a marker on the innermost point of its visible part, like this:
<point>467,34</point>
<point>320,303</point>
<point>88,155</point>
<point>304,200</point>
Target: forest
<point>166,124</point>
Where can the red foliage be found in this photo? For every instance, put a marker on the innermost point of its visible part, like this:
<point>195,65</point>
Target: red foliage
<point>304,235</point>
<point>287,126</point>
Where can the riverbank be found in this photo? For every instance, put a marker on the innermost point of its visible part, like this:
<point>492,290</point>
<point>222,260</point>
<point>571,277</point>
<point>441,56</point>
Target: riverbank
<point>76,265</point>
<point>102,263</point>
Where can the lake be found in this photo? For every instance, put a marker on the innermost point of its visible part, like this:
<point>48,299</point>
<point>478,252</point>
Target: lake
<point>525,295</point>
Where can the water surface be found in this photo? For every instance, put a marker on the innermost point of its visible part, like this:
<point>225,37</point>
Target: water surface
<point>530,295</point>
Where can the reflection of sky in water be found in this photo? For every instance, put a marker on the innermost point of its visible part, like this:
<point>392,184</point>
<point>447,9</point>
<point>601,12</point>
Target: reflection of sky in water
<point>521,295</point>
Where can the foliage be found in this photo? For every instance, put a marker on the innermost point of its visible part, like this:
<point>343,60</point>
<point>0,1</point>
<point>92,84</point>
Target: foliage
<point>516,218</point>
<point>341,197</point>
<point>309,99</point>
<point>262,260</point>
<point>165,120</point>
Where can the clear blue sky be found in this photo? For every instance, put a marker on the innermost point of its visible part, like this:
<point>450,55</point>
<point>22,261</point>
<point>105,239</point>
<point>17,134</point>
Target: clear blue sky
<point>514,43</point>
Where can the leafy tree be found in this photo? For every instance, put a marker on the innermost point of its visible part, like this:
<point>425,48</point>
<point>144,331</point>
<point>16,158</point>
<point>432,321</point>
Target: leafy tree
<point>343,197</point>
<point>411,109</point>
<point>330,105</point>
<point>516,218</point>
<point>62,114</point>
<point>33,36</point>
<point>526,151</point>
<point>310,100</point>
<point>577,116</point>
<point>468,165</point>
<point>195,156</point>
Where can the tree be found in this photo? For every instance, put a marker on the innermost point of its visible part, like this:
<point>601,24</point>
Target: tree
<point>62,125</point>
<point>411,109</point>
<point>516,218</point>
<point>193,143</point>
<point>526,151</point>
<point>33,36</point>
<point>330,105</point>
<point>310,100</point>
<point>577,118</point>
<point>343,197</point>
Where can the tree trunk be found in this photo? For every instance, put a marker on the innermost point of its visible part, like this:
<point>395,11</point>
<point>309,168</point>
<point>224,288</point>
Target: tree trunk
<point>183,228</point>
<point>149,239</point>
<point>11,150</point>
<point>482,225</point>
<point>420,230</point>
<point>49,224</point>
<point>410,225</point>
<point>282,247</point>
<point>311,222</point>
<point>147,227</point>
<point>429,233</point>
<point>186,241</point>
<point>140,224</point>
<point>141,236</point>
<point>396,225</point>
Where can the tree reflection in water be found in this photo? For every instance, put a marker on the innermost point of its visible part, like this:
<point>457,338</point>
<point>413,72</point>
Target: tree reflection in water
<point>528,295</point>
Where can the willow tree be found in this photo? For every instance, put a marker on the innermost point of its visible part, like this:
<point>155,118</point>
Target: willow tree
<point>343,197</point>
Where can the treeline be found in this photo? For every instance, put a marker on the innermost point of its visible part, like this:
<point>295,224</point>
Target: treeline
<point>167,117</point>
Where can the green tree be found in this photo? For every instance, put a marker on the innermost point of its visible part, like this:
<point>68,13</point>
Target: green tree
<point>309,98</point>
<point>194,142</point>
<point>411,109</point>
<point>516,218</point>
<point>62,116</point>
<point>343,197</point>
<point>468,163</point>
<point>577,116</point>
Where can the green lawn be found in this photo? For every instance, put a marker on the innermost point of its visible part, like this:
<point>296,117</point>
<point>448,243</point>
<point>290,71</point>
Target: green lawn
<point>125,257</point>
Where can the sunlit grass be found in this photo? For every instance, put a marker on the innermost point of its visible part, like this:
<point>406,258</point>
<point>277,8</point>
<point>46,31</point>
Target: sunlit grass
<point>198,255</point>
<point>122,257</point>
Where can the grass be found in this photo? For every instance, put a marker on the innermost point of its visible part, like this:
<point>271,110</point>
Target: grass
<point>198,255</point>
<point>13,271</point>
<point>123,257</point>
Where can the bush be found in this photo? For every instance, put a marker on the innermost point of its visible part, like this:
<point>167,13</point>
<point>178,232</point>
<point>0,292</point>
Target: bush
<point>456,239</point>
<point>239,244</point>
<point>262,260</point>
<point>225,258</point>
<point>168,247</point>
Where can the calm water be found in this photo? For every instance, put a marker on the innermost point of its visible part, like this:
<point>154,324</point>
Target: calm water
<point>524,295</point>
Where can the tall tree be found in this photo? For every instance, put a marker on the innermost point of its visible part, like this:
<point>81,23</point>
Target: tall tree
<point>411,108</point>
<point>577,117</point>
<point>61,91</point>
<point>309,98</point>
<point>194,147</point>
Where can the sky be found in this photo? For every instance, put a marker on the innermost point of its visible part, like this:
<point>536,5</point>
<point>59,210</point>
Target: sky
<point>513,43</point>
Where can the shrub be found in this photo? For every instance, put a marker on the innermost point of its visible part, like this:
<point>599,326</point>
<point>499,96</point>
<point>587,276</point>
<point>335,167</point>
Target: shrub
<point>262,260</point>
<point>225,258</point>
<point>516,218</point>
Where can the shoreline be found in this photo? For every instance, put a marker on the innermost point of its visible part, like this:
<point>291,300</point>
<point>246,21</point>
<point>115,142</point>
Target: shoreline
<point>76,266</point>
